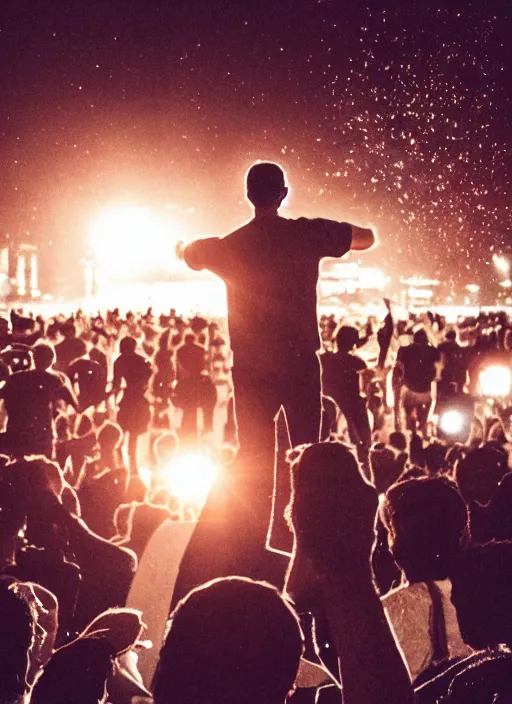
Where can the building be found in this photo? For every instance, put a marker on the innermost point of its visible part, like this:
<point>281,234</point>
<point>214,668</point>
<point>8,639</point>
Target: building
<point>19,272</point>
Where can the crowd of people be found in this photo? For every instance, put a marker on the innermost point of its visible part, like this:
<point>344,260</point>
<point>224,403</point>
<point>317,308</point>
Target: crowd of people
<point>354,547</point>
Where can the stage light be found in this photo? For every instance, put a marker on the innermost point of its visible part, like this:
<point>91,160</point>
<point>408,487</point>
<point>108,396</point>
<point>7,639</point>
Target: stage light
<point>127,240</point>
<point>452,421</point>
<point>495,382</point>
<point>190,476</point>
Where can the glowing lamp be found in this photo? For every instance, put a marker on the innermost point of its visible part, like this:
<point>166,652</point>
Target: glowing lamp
<point>190,477</point>
<point>495,381</point>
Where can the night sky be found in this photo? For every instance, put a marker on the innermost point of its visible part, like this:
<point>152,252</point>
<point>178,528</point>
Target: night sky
<point>399,117</point>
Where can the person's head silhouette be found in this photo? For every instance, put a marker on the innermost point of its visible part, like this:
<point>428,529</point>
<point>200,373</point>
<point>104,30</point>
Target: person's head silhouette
<point>128,345</point>
<point>43,355</point>
<point>266,188</point>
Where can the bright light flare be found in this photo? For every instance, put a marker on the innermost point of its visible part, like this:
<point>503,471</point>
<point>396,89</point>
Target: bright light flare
<point>495,381</point>
<point>190,477</point>
<point>452,422</point>
<point>130,239</point>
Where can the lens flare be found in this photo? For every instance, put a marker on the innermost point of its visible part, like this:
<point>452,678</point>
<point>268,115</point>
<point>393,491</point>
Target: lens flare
<point>495,381</point>
<point>451,422</point>
<point>190,477</point>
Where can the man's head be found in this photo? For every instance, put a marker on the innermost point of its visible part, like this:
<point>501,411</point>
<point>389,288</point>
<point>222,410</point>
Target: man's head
<point>233,641</point>
<point>347,338</point>
<point>68,329</point>
<point>482,594</point>
<point>420,337</point>
<point>44,356</point>
<point>128,345</point>
<point>451,335</point>
<point>426,520</point>
<point>266,186</point>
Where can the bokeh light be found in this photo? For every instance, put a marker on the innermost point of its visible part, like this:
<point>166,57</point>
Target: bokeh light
<point>495,382</point>
<point>130,240</point>
<point>190,476</point>
<point>451,422</point>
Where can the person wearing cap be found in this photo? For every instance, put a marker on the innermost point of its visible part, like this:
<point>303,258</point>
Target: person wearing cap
<point>270,268</point>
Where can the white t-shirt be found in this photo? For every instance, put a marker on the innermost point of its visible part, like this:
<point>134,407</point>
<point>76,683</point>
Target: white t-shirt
<point>409,611</point>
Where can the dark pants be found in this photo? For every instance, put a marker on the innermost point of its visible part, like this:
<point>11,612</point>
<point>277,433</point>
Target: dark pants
<point>231,535</point>
<point>257,402</point>
<point>358,424</point>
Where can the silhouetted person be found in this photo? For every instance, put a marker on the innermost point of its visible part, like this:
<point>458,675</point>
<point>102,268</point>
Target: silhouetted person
<point>89,382</point>
<point>342,380</point>
<point>165,373</point>
<point>195,389</point>
<point>453,365</point>
<point>134,412</point>
<point>30,398</point>
<point>70,348</point>
<point>270,268</point>
<point>417,364</point>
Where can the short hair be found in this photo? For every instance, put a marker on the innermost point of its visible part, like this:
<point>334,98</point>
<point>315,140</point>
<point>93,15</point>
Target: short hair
<point>479,473</point>
<point>451,335</point>
<point>347,337</point>
<point>398,440</point>
<point>420,337</point>
<point>231,640</point>
<point>482,594</point>
<point>43,355</point>
<point>265,183</point>
<point>427,521</point>
<point>128,345</point>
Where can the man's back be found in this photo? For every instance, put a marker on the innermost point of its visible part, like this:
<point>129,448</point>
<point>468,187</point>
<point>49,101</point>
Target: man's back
<point>341,376</point>
<point>270,267</point>
<point>69,349</point>
<point>419,361</point>
<point>29,398</point>
<point>191,360</point>
<point>454,359</point>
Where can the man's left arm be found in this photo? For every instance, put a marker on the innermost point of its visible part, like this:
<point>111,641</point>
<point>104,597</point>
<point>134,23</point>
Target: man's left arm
<point>201,254</point>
